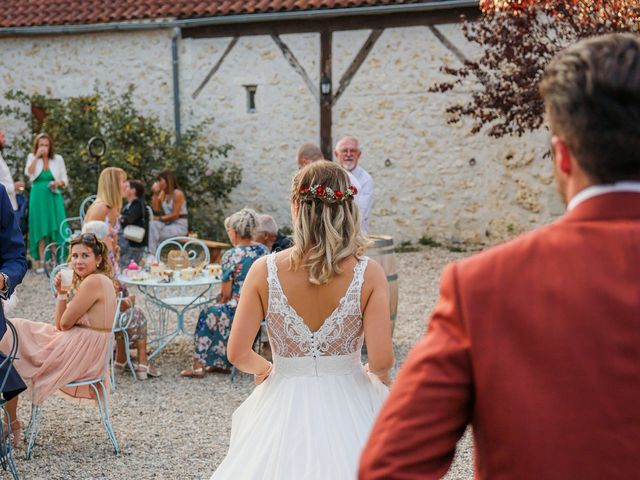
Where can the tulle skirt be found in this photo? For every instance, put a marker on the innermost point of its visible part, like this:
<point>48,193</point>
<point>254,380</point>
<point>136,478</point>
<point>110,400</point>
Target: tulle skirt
<point>309,420</point>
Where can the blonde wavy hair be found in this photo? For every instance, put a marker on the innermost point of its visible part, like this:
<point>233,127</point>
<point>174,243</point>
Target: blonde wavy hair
<point>324,233</point>
<point>109,187</point>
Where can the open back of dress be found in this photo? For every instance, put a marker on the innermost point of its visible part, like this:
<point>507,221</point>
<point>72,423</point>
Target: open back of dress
<point>311,417</point>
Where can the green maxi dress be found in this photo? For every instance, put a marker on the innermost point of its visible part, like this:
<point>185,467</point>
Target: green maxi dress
<point>46,212</point>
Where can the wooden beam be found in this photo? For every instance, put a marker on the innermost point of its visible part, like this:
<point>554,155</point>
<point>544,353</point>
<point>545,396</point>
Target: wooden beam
<point>355,22</point>
<point>455,50</point>
<point>326,101</point>
<point>447,44</point>
<point>293,61</point>
<point>215,68</point>
<point>356,63</point>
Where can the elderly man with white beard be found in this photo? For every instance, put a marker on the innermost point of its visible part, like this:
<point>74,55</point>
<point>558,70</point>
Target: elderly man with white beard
<point>348,155</point>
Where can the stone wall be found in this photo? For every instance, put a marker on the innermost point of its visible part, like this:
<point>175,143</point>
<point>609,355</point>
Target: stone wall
<point>432,179</point>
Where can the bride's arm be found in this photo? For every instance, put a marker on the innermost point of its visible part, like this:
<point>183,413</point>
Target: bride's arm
<point>246,323</point>
<point>377,322</point>
<point>89,292</point>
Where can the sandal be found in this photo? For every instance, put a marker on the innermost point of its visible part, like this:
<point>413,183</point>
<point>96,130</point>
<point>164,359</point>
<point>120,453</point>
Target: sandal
<point>119,367</point>
<point>193,373</point>
<point>144,371</point>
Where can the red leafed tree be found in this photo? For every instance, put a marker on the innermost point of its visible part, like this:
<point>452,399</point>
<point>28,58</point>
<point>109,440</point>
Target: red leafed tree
<point>518,38</point>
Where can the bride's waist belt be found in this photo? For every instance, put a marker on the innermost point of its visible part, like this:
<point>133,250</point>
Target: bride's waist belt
<point>317,366</point>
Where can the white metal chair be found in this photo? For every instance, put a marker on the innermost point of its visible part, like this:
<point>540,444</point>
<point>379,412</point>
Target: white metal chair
<point>198,253</point>
<point>123,323</point>
<point>6,450</point>
<point>55,253</point>
<point>84,206</point>
<point>98,385</point>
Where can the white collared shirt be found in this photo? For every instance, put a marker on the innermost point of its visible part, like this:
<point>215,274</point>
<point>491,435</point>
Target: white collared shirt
<point>7,180</point>
<point>595,190</point>
<point>364,198</point>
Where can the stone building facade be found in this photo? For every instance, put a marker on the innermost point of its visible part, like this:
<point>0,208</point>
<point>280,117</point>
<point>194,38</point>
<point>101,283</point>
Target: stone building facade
<point>433,179</point>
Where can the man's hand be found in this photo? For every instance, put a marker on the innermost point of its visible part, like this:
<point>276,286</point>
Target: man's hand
<point>19,186</point>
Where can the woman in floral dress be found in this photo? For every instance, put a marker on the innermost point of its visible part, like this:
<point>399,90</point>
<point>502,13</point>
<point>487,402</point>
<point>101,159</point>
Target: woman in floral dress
<point>214,323</point>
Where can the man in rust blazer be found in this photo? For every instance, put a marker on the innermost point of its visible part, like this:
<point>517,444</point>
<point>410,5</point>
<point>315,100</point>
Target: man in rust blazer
<point>536,343</point>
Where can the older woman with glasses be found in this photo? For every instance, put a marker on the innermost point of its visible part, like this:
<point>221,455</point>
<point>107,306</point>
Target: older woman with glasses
<point>74,347</point>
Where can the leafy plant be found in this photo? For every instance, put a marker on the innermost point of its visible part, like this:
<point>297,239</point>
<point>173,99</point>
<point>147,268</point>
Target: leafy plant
<point>518,38</point>
<point>135,142</point>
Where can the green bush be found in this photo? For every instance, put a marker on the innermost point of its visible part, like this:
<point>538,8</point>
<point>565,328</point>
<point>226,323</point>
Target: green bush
<point>135,142</point>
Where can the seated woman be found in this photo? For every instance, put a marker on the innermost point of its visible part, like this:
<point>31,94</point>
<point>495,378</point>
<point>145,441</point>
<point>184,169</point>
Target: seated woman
<point>50,356</point>
<point>170,205</point>
<point>133,213</point>
<point>137,330</point>
<point>214,323</point>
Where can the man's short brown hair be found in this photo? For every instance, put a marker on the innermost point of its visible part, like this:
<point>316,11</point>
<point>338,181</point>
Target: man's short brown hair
<point>591,92</point>
<point>310,151</point>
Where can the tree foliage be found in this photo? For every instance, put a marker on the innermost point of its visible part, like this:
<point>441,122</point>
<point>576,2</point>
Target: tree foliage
<point>135,142</point>
<point>518,38</point>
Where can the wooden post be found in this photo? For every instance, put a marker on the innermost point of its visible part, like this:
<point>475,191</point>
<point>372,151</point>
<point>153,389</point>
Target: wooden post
<point>326,101</point>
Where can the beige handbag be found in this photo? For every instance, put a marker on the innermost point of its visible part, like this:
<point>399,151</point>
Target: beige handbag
<point>133,233</point>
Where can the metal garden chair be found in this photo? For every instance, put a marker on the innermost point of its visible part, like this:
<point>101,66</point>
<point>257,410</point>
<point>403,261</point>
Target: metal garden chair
<point>123,323</point>
<point>198,254</point>
<point>98,385</point>
<point>84,206</point>
<point>6,450</point>
<point>54,253</point>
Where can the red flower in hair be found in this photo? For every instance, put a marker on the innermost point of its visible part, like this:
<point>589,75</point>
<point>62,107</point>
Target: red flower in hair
<point>353,190</point>
<point>304,189</point>
<point>338,194</point>
<point>320,191</point>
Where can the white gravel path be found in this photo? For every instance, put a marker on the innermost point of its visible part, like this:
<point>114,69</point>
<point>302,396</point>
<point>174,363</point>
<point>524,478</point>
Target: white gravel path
<point>175,428</point>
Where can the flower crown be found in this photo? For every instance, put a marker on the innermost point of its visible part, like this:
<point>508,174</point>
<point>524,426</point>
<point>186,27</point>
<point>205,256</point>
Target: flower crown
<point>327,194</point>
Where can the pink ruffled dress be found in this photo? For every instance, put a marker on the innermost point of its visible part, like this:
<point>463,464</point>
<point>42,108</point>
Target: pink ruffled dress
<point>49,358</point>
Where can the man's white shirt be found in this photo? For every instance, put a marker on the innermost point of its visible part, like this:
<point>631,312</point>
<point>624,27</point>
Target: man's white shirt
<point>7,180</point>
<point>596,190</point>
<point>364,198</point>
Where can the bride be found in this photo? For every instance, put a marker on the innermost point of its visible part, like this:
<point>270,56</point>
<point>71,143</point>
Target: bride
<point>312,410</point>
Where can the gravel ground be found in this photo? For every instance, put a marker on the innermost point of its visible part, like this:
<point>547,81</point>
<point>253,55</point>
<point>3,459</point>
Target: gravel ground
<point>172,427</point>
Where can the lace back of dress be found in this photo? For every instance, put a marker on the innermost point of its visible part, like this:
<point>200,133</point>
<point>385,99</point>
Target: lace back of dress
<point>340,334</point>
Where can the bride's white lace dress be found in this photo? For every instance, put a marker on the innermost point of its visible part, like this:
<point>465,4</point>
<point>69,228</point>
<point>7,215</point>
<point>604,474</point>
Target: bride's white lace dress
<point>309,420</point>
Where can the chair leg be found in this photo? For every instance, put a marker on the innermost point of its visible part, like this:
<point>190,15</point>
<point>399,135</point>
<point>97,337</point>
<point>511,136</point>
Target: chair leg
<point>6,450</point>
<point>127,352</point>
<point>103,408</point>
<point>32,429</point>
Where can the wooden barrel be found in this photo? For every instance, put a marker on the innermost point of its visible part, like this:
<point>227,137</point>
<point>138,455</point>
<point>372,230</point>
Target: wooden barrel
<point>383,252</point>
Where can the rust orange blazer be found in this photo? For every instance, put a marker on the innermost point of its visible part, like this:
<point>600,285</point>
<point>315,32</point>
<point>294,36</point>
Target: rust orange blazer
<point>536,344</point>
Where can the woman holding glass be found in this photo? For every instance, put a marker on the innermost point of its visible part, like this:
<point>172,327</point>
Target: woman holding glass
<point>47,173</point>
<point>74,348</point>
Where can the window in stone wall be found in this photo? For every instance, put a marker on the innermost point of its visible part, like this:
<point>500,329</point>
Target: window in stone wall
<point>251,98</point>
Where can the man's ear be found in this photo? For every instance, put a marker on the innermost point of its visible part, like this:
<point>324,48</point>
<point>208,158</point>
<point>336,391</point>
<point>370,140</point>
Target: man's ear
<point>561,155</point>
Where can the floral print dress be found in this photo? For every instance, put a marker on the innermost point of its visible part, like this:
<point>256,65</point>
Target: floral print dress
<point>214,323</point>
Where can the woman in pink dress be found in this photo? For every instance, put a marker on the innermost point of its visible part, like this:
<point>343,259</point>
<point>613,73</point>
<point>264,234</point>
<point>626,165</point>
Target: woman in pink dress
<point>50,356</point>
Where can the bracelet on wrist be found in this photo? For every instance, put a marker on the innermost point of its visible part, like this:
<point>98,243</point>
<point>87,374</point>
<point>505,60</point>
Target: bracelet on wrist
<point>61,296</point>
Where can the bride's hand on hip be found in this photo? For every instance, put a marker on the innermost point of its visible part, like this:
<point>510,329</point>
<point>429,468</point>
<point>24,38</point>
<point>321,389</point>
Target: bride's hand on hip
<point>258,378</point>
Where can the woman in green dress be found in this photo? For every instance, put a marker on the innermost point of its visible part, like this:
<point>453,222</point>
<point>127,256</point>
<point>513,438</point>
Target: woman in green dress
<point>47,173</point>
